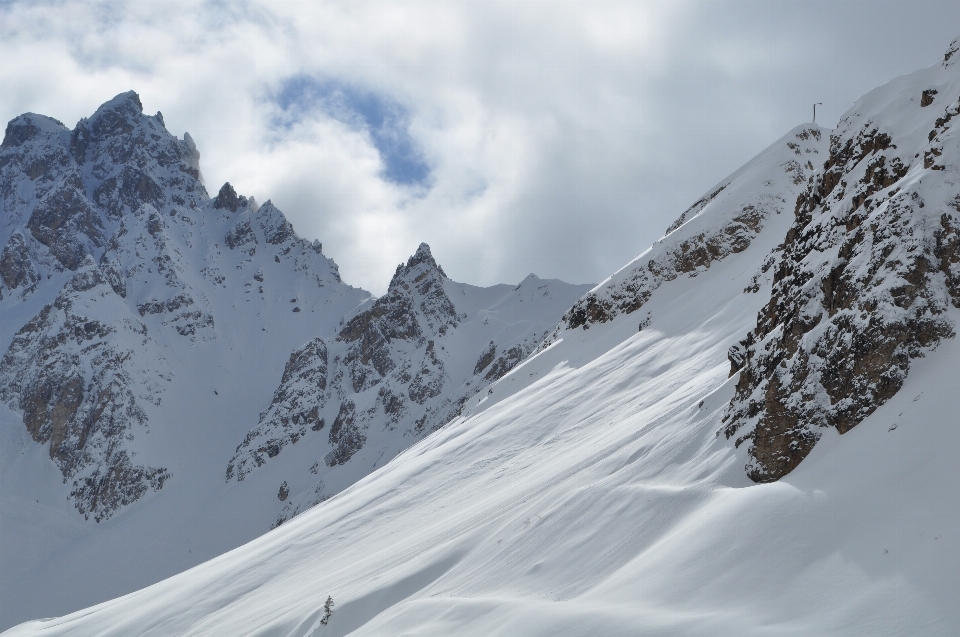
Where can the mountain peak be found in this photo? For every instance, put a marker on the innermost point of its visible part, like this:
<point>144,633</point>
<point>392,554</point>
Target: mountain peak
<point>127,100</point>
<point>229,199</point>
<point>25,127</point>
<point>121,112</point>
<point>423,255</point>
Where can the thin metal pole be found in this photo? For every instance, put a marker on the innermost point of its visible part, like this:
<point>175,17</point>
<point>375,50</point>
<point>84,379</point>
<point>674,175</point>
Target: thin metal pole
<point>815,111</point>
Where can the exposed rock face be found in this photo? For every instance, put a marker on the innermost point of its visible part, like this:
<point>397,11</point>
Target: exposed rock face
<point>379,344</point>
<point>862,287</point>
<point>723,222</point>
<point>66,223</point>
<point>16,267</point>
<point>415,304</point>
<point>228,199</point>
<point>295,408</point>
<point>507,361</point>
<point>486,358</point>
<point>66,371</point>
<point>428,381</point>
<point>346,436</point>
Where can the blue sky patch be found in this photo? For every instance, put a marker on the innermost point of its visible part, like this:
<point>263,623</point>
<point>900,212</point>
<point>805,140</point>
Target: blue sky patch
<point>386,120</point>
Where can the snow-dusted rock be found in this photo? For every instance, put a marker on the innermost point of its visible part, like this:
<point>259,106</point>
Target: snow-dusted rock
<point>69,371</point>
<point>147,330</point>
<point>865,278</point>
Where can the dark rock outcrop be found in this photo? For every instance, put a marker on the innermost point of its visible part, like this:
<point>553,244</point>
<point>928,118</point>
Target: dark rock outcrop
<point>294,410</point>
<point>16,266</point>
<point>346,438</point>
<point>228,199</point>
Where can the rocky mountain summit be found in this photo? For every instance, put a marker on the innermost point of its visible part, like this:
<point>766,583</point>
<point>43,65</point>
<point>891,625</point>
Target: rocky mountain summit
<point>111,240</point>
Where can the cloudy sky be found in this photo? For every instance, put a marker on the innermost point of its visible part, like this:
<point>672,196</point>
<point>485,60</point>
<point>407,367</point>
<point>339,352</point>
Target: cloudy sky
<point>559,138</point>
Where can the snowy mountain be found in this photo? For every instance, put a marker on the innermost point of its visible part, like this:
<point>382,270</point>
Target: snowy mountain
<point>745,431</point>
<point>119,274</point>
<point>748,430</point>
<point>144,329</point>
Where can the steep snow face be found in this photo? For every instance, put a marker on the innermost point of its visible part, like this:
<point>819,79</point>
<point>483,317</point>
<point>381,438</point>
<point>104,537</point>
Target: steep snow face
<point>395,372</point>
<point>589,491</point>
<point>867,274</point>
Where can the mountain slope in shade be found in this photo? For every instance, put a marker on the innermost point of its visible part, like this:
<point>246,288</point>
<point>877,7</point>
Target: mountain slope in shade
<point>145,326</point>
<point>592,489</point>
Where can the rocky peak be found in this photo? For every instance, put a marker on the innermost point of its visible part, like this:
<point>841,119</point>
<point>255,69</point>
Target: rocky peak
<point>421,280</point>
<point>26,127</point>
<point>129,159</point>
<point>118,204</point>
<point>117,116</point>
<point>276,229</point>
<point>415,303</point>
<point>422,256</point>
<point>530,279</point>
<point>228,199</point>
<point>421,273</point>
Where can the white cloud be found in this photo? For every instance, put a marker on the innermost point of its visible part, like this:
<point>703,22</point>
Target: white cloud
<point>562,137</point>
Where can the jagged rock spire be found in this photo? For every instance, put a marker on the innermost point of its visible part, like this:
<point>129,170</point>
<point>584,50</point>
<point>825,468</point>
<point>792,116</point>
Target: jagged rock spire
<point>422,256</point>
<point>229,199</point>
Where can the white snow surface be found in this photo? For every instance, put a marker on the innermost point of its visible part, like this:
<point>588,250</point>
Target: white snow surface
<point>589,493</point>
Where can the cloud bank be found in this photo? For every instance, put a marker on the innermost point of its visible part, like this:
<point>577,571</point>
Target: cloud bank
<point>552,137</point>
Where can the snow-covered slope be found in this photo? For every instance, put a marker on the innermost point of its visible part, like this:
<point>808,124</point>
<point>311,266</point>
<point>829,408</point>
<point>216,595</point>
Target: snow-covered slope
<point>145,326</point>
